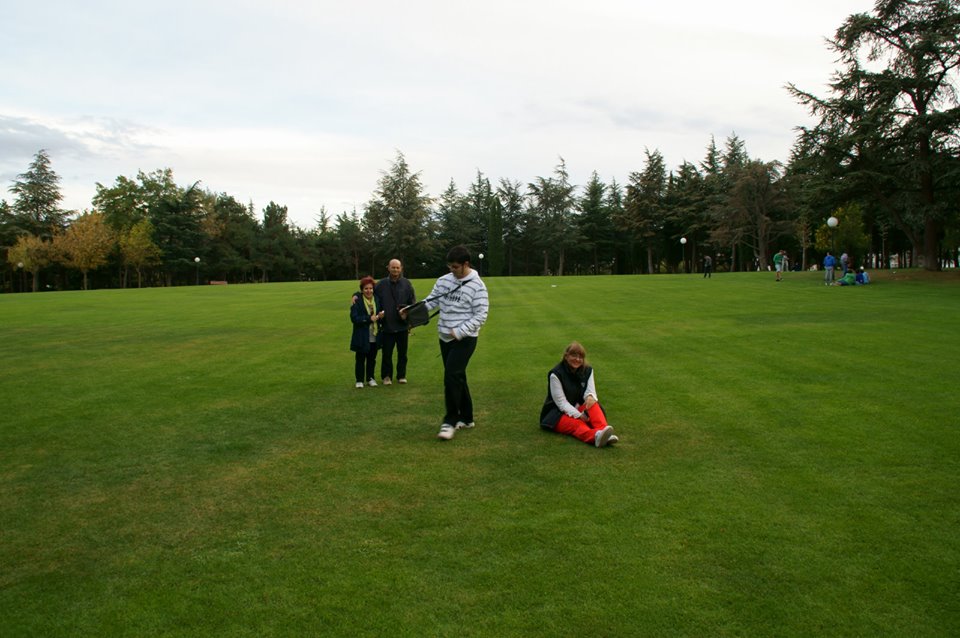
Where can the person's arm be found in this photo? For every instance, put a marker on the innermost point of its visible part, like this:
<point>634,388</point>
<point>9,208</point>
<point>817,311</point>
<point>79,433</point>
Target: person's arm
<point>590,395</point>
<point>556,393</point>
<point>358,314</point>
<point>409,298</point>
<point>433,299</point>
<point>479,309</point>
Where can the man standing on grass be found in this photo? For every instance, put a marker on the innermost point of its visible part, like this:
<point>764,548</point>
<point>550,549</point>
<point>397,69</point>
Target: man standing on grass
<point>829,263</point>
<point>394,292</point>
<point>463,301</point>
<point>779,263</point>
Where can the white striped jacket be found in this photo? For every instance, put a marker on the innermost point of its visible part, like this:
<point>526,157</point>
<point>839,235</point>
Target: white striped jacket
<point>463,305</point>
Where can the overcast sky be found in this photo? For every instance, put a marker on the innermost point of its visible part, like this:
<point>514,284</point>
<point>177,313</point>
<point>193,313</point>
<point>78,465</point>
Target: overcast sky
<point>306,103</point>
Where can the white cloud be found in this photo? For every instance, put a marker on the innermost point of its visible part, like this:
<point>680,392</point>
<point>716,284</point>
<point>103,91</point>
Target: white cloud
<point>305,103</point>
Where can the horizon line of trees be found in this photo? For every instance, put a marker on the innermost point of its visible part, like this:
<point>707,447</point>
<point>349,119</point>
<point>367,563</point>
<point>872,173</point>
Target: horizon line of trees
<point>883,158</point>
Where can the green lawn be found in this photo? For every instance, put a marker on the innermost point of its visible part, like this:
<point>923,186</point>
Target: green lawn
<point>196,462</point>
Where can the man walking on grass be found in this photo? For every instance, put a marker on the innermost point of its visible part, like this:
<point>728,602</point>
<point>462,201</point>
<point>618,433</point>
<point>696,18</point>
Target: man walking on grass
<point>462,298</point>
<point>779,263</point>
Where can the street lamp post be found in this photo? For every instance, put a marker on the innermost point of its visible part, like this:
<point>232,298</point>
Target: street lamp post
<point>683,250</point>
<point>20,267</point>
<point>481,264</point>
<point>832,223</point>
<point>197,261</point>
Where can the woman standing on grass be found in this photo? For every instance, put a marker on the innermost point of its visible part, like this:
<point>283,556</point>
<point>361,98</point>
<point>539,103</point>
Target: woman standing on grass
<point>365,315</point>
<point>571,406</point>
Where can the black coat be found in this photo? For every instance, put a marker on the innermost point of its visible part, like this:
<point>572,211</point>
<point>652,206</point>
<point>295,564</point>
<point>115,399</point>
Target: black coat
<point>392,296</point>
<point>360,339</point>
<point>574,386</point>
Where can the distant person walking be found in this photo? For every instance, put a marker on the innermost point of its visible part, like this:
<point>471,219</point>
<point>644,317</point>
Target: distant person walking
<point>780,263</point>
<point>464,305</point>
<point>707,266</point>
<point>845,263</point>
<point>829,263</point>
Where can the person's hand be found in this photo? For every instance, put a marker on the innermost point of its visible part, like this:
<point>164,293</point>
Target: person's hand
<point>403,312</point>
<point>585,417</point>
<point>353,300</point>
<point>589,403</point>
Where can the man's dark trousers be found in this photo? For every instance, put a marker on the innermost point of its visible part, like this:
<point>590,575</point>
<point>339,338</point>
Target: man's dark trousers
<point>456,393</point>
<point>389,340</point>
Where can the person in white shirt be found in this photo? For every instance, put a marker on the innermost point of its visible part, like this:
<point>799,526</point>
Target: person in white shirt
<point>462,298</point>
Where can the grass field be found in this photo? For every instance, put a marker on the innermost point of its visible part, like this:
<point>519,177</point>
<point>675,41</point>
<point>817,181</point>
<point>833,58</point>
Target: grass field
<point>196,462</point>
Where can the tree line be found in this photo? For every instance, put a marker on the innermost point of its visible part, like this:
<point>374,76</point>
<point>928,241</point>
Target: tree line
<point>883,159</point>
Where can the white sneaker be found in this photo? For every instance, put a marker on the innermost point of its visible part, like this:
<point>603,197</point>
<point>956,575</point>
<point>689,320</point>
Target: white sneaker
<point>386,381</point>
<point>603,436</point>
<point>461,425</point>
<point>613,439</point>
<point>401,380</point>
<point>359,384</point>
<point>372,383</point>
<point>446,431</point>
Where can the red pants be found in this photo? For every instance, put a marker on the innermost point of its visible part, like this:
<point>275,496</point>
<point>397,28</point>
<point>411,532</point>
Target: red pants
<point>583,430</point>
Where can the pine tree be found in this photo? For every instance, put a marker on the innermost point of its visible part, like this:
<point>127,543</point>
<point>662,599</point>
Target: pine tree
<point>37,198</point>
<point>889,126</point>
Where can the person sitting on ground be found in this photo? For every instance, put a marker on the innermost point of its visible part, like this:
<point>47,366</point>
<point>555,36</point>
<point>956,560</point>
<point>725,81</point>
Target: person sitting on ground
<point>571,406</point>
<point>862,277</point>
<point>848,279</point>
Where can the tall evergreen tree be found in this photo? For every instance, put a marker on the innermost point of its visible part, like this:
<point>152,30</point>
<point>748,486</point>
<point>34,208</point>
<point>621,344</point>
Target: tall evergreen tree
<point>275,247</point>
<point>453,218</point>
<point>353,243</point>
<point>889,126</point>
<point>552,205</point>
<point>37,198</point>
<point>479,200</point>
<point>398,216</point>
<point>495,245</point>
<point>595,225</point>
<point>687,208</point>
<point>727,226</point>
<point>757,202</point>
<point>177,232</point>
<point>510,196</point>
<point>643,205</point>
